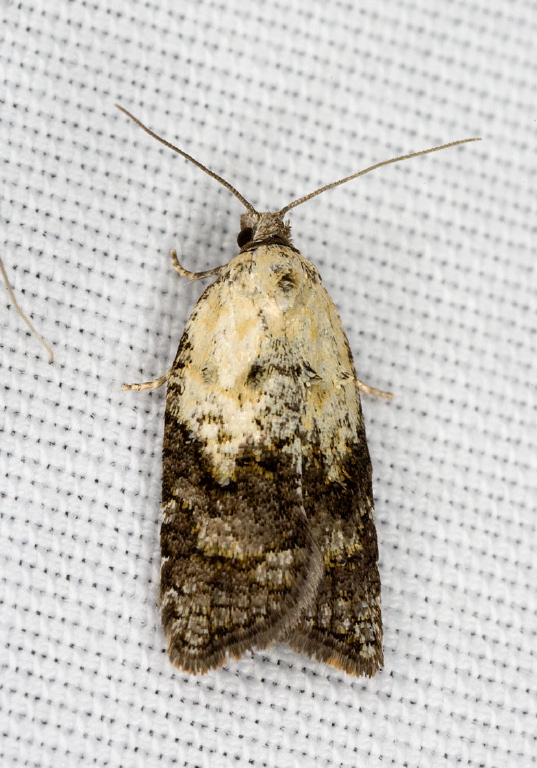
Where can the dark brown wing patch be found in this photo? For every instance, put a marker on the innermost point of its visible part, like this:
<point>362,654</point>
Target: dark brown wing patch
<point>343,627</point>
<point>236,573</point>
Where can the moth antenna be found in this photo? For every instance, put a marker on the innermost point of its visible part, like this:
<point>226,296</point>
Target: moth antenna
<point>222,181</point>
<point>371,168</point>
<point>21,313</point>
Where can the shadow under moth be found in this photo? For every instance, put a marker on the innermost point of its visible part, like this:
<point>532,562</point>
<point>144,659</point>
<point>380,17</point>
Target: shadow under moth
<point>268,532</point>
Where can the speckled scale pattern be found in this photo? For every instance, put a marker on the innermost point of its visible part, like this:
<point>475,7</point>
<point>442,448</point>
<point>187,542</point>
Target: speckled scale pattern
<point>268,531</point>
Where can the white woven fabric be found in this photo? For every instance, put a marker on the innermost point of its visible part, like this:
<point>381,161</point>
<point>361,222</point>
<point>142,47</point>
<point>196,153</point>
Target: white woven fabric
<point>432,264</point>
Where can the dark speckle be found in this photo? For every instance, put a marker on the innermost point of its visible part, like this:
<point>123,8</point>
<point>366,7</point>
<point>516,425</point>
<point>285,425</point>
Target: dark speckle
<point>255,375</point>
<point>287,282</point>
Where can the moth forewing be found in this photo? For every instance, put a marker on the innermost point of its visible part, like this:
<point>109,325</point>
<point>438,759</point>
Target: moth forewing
<point>267,481</point>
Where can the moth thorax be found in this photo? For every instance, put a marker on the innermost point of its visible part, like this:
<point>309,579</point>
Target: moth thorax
<point>259,227</point>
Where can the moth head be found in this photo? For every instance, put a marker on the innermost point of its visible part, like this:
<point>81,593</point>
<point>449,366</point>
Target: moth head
<point>259,227</point>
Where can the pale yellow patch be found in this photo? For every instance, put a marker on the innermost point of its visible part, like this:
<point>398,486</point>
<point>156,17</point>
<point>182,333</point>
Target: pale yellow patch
<point>268,308</point>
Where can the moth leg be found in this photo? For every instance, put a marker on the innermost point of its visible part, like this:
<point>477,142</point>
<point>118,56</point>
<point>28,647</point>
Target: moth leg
<point>21,313</point>
<point>155,384</point>
<point>372,391</point>
<point>192,275</point>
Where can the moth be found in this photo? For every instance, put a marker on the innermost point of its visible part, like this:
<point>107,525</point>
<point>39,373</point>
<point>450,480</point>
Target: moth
<point>268,532</point>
